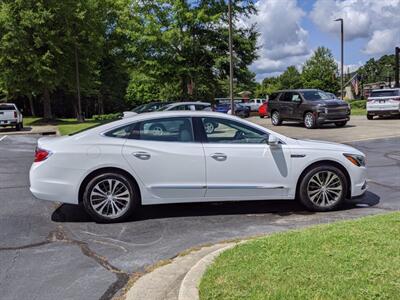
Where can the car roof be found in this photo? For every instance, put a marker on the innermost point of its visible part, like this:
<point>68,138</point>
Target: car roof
<point>386,90</point>
<point>298,90</point>
<point>190,103</point>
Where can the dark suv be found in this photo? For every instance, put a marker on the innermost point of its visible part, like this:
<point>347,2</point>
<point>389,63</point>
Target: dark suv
<point>310,106</point>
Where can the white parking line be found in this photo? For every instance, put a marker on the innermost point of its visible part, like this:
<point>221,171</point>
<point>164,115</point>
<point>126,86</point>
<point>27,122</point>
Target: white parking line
<point>2,138</point>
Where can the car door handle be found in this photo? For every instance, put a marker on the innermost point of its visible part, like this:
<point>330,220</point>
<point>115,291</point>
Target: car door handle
<point>219,156</point>
<point>142,155</point>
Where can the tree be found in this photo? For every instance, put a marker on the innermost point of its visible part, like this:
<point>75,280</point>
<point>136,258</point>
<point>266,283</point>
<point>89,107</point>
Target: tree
<point>320,71</point>
<point>291,78</point>
<point>184,44</point>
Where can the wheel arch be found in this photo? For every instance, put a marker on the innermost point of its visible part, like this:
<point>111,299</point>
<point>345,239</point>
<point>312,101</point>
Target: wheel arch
<point>106,170</point>
<point>326,162</point>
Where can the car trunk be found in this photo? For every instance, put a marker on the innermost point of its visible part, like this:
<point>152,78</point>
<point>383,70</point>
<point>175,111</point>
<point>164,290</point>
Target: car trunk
<point>7,115</point>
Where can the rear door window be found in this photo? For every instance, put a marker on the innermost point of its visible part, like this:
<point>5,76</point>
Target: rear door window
<point>286,97</point>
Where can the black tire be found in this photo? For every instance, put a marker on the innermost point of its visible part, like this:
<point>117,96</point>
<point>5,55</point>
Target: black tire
<point>370,117</point>
<point>22,125</point>
<point>303,194</point>
<point>276,118</point>
<point>128,209</point>
<point>157,128</point>
<point>18,127</point>
<point>262,117</point>
<point>309,121</point>
<point>341,124</point>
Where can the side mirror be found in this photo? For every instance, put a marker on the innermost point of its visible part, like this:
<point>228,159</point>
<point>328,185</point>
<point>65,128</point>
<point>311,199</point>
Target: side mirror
<point>296,100</point>
<point>273,140</point>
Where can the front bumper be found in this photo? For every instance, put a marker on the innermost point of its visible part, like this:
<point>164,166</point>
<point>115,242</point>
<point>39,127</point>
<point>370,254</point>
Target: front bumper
<point>331,118</point>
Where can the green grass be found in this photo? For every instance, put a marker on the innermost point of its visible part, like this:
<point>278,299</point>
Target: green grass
<point>358,112</point>
<point>65,126</point>
<point>346,260</point>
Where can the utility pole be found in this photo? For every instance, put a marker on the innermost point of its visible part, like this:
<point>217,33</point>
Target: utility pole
<point>341,57</point>
<point>231,57</point>
<point>396,68</point>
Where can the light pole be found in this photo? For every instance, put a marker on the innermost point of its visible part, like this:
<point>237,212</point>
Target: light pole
<point>341,57</point>
<point>231,57</point>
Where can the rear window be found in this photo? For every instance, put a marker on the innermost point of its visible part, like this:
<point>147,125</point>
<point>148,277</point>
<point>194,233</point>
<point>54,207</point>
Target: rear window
<point>387,93</point>
<point>7,107</point>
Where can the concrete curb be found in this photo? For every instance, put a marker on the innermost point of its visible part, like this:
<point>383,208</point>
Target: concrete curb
<point>183,272</point>
<point>190,283</point>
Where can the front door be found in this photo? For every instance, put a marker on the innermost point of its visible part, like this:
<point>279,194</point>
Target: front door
<point>166,159</point>
<point>240,165</point>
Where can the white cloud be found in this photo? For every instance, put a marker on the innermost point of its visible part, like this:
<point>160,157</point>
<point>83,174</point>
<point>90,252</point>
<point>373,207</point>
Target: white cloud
<point>376,20</point>
<point>282,40</point>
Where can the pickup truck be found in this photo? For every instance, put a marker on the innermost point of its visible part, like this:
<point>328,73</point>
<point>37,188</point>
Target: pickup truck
<point>10,115</point>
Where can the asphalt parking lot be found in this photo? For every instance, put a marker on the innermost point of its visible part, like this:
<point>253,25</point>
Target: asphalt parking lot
<point>48,251</point>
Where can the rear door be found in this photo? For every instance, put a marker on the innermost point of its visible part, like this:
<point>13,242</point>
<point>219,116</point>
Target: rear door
<point>285,105</point>
<point>167,160</point>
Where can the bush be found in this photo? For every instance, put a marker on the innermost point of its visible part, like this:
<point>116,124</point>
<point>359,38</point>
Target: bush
<point>107,117</point>
<point>358,104</point>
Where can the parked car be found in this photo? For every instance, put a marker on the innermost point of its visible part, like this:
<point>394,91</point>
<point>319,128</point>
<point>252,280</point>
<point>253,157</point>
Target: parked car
<point>147,107</point>
<point>10,115</point>
<point>187,106</point>
<point>310,106</point>
<point>384,102</point>
<point>263,110</point>
<point>240,110</point>
<point>253,104</point>
<point>113,168</point>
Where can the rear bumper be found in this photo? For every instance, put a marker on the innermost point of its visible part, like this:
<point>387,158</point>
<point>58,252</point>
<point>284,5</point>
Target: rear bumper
<point>383,112</point>
<point>8,122</point>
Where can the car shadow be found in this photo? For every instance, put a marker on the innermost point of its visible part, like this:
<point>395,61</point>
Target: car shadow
<point>324,126</point>
<point>76,213</point>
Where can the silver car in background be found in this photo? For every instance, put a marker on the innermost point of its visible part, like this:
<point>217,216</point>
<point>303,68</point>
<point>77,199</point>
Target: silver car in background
<point>383,102</point>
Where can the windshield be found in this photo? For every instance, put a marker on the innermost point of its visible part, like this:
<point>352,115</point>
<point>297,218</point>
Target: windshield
<point>387,93</point>
<point>139,108</point>
<point>7,107</point>
<point>315,95</point>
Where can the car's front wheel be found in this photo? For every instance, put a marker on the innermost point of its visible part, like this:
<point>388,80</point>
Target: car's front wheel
<point>370,117</point>
<point>110,197</point>
<point>323,188</point>
<point>310,121</point>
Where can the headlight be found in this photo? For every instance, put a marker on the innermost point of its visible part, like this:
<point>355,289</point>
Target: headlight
<point>323,110</point>
<point>355,159</point>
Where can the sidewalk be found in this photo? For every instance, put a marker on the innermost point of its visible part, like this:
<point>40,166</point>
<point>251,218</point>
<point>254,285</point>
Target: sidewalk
<point>179,279</point>
<point>45,129</point>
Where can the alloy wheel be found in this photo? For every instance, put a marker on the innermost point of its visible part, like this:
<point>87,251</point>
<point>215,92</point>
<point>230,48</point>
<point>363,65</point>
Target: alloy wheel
<point>110,198</point>
<point>309,120</point>
<point>324,188</point>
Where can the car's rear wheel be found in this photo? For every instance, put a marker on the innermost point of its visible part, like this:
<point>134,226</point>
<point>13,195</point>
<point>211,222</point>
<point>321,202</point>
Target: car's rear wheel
<point>157,129</point>
<point>341,124</point>
<point>209,127</point>
<point>110,197</point>
<point>370,117</point>
<point>276,118</point>
<point>18,127</point>
<point>309,120</point>
<point>323,188</point>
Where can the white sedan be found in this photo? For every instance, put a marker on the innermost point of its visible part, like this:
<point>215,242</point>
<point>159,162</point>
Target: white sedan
<point>113,168</point>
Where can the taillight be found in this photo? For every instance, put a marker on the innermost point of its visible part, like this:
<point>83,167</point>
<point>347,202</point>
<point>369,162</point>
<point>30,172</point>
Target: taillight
<point>15,114</point>
<point>41,154</point>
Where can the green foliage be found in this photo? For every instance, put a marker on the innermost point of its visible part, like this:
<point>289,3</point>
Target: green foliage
<point>378,70</point>
<point>320,71</point>
<point>291,78</point>
<point>358,104</point>
<point>107,117</point>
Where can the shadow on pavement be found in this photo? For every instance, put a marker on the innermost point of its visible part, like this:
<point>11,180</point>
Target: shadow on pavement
<point>76,213</point>
<point>12,129</point>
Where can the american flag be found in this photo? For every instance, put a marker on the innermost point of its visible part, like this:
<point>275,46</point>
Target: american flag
<point>355,83</point>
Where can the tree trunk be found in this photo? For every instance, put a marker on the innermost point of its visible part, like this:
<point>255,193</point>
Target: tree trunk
<point>101,104</point>
<point>47,115</point>
<point>31,106</point>
<point>79,116</point>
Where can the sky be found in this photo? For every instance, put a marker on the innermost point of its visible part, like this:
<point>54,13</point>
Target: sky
<point>290,30</point>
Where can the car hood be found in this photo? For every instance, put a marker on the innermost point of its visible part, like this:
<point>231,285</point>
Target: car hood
<point>332,102</point>
<point>330,146</point>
